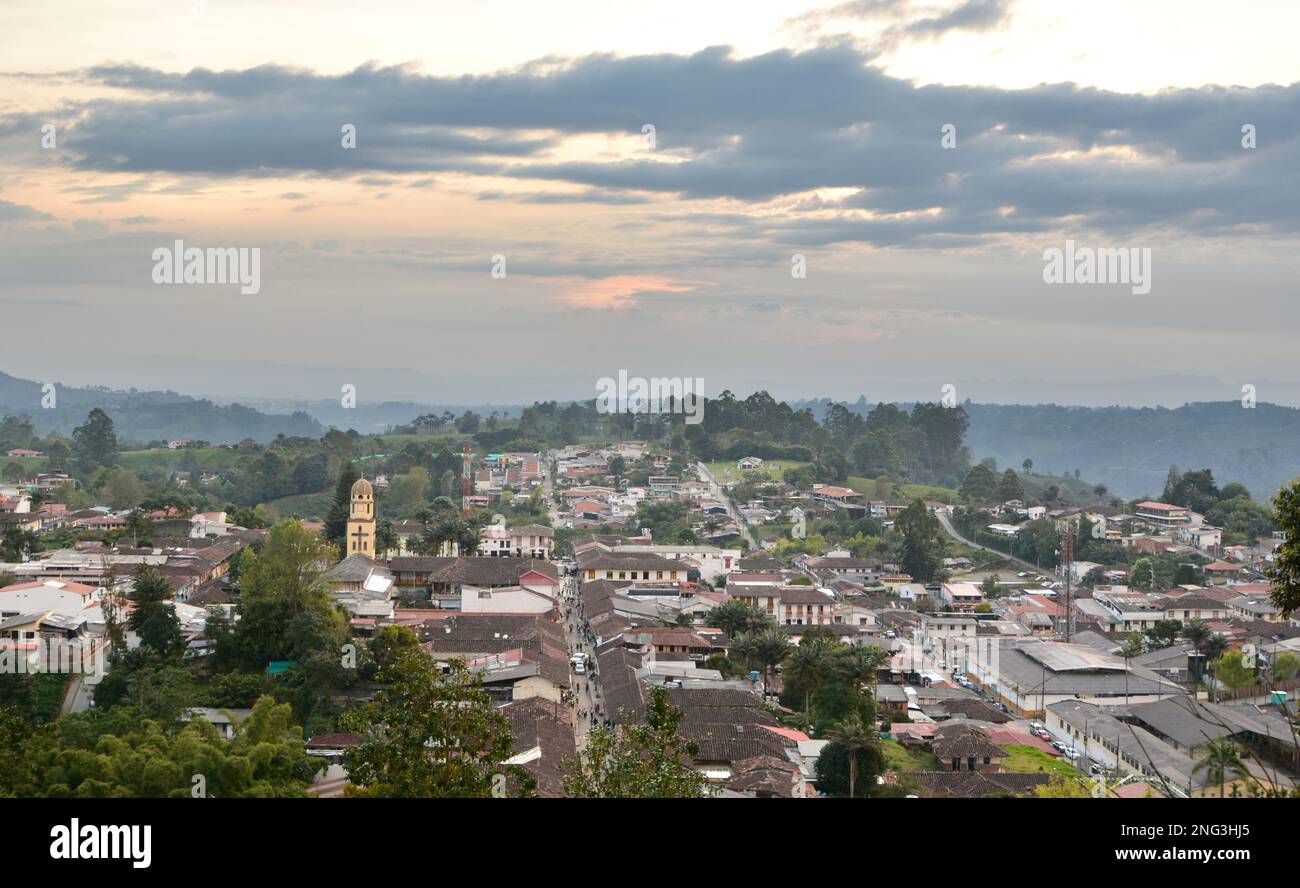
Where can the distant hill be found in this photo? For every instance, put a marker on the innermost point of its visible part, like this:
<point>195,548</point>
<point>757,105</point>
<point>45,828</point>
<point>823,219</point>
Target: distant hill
<point>150,415</point>
<point>1131,449</point>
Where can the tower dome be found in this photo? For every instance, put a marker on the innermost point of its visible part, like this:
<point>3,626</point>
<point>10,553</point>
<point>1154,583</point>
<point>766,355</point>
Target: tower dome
<point>362,488</point>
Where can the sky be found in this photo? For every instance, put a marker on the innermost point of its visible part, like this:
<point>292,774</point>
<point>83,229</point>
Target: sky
<point>648,176</point>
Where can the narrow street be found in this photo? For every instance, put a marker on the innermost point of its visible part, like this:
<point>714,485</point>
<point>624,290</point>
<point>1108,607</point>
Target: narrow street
<point>585,687</point>
<point>721,495</point>
<point>953,532</point>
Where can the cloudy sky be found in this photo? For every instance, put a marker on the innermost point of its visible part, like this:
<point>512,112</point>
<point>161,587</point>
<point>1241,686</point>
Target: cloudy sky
<point>779,128</point>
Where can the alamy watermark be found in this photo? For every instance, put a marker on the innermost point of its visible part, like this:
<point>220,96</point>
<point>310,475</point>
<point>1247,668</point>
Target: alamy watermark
<point>637,394</point>
<point>61,656</point>
<point>1099,265</point>
<point>215,265</point>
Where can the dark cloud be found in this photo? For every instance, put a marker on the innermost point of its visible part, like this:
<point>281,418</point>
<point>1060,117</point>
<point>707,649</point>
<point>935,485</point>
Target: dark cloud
<point>755,130</point>
<point>972,15</point>
<point>15,212</point>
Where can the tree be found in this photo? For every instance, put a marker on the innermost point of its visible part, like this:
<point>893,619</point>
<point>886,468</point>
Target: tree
<point>1061,786</point>
<point>641,761</point>
<point>1027,466</point>
<point>153,613</point>
<point>980,485</point>
<point>771,645</point>
<point>923,545</point>
<point>1010,487</point>
<point>286,614</point>
<point>1232,671</point>
<point>1222,761</point>
<point>853,736</point>
<point>809,667</point>
<point>1285,572</point>
<point>123,489</point>
<point>1286,666</point>
<point>735,616</point>
<point>434,735</point>
<point>336,520</point>
<point>1195,490</point>
<point>1163,633</point>
<point>408,492</point>
<point>94,442</point>
<point>117,754</point>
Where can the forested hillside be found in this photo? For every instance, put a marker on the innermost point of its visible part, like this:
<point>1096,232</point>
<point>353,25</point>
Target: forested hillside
<point>147,416</point>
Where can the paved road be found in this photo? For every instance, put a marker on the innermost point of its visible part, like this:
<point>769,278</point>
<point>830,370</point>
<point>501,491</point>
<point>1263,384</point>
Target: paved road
<point>585,687</point>
<point>721,495</point>
<point>952,532</point>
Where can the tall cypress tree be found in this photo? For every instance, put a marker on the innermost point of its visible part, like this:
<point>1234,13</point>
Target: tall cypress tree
<point>336,521</point>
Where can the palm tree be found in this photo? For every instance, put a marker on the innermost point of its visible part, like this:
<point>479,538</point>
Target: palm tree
<point>1197,633</point>
<point>859,665</point>
<point>771,646</point>
<point>743,645</point>
<point>853,736</point>
<point>1215,646</point>
<point>734,617</point>
<point>1222,759</point>
<point>808,666</point>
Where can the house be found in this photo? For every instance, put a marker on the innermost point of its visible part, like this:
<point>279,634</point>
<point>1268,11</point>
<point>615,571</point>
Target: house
<point>206,524</point>
<point>612,564</point>
<point>1185,608</point>
<point>830,494</point>
<point>44,596</point>
<point>179,444</point>
<point>528,540</point>
<point>961,596</point>
<point>1254,607</point>
<point>962,746</point>
<point>749,462</point>
<point>22,452</point>
<point>506,600</point>
<point>1030,674</point>
<point>1162,515</point>
<point>543,742</point>
<point>1165,740</point>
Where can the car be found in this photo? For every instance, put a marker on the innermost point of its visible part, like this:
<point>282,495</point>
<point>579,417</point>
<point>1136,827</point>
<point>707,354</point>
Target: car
<point>1042,734</point>
<point>579,667</point>
<point>1070,752</point>
<point>1058,745</point>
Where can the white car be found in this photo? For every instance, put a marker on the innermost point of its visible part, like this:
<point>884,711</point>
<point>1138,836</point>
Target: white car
<point>1070,752</point>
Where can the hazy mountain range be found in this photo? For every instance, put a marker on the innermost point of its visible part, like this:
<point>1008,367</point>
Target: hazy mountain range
<point>1129,449</point>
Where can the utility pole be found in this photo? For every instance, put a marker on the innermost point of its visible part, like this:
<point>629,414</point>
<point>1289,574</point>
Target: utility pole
<point>1067,557</point>
<point>466,478</point>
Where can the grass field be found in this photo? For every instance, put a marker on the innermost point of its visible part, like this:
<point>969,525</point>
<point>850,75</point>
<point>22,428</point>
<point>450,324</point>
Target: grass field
<point>899,758</point>
<point>305,505</point>
<point>1026,759</point>
<point>908,492</point>
<point>215,459</point>
<point>773,470</point>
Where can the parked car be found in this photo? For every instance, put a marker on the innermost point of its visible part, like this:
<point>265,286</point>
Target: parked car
<point>1070,752</point>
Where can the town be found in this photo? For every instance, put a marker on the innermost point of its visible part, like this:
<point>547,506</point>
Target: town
<point>825,606</point>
